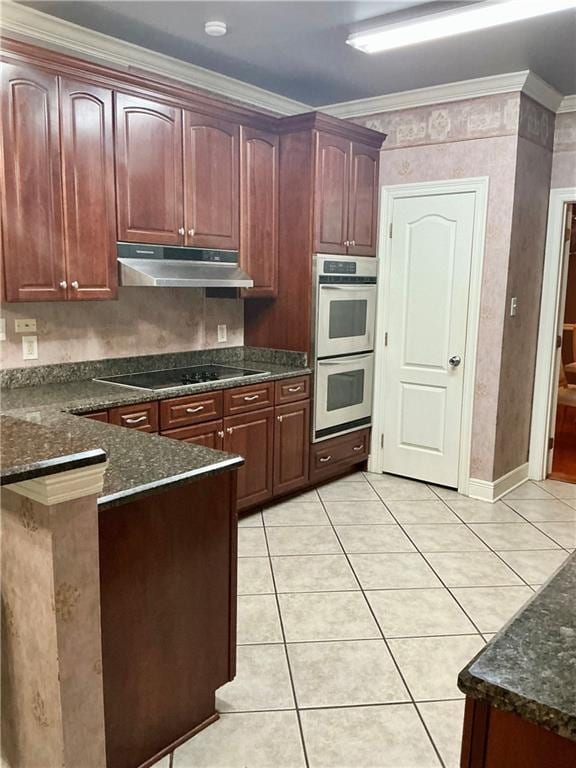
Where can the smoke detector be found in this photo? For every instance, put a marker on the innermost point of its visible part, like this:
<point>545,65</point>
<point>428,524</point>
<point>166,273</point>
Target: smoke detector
<point>215,28</point>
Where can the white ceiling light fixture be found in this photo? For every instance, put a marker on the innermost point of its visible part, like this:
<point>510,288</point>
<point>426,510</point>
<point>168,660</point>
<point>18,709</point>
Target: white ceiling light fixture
<point>215,28</point>
<point>457,22</point>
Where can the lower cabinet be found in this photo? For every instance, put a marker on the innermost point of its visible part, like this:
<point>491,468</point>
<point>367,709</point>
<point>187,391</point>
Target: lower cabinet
<point>210,434</point>
<point>251,435</point>
<point>335,456</point>
<point>291,446</point>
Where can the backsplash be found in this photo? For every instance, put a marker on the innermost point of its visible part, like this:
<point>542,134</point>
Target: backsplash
<point>143,321</point>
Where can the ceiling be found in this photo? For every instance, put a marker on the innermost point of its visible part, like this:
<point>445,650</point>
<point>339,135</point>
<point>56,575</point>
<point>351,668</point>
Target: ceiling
<point>297,49</point>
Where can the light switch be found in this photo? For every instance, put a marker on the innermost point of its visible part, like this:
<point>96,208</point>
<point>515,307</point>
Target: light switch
<point>25,326</point>
<point>29,347</point>
<point>513,307</point>
<point>222,333</point>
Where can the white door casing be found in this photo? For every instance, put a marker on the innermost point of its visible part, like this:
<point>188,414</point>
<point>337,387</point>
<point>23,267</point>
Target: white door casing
<point>429,300</point>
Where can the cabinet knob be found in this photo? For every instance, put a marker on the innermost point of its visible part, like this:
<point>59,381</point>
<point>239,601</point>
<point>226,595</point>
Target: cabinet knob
<point>181,231</point>
<point>229,430</point>
<point>191,232</point>
<point>352,242</point>
<point>346,242</point>
<point>220,433</point>
<point>280,418</point>
<point>74,284</point>
<point>63,284</point>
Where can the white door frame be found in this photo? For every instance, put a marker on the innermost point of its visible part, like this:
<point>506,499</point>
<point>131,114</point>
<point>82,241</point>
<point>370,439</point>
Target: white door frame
<point>545,383</point>
<point>478,186</point>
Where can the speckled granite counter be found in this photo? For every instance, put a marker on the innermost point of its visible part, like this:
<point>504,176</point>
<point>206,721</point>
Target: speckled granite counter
<point>52,436</point>
<point>529,668</point>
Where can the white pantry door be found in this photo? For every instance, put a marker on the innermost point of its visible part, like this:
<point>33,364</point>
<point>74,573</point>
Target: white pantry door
<point>429,282</point>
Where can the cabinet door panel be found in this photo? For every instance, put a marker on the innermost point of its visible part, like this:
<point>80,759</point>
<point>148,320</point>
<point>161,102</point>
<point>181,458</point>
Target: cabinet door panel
<point>331,193</point>
<point>32,187</point>
<point>259,211</point>
<point>251,435</point>
<point>88,184</point>
<point>148,171</point>
<point>362,230</point>
<point>291,446</point>
<point>211,184</point>
<point>210,434</point>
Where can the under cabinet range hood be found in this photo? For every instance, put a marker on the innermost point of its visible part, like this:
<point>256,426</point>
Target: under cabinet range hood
<point>165,266</point>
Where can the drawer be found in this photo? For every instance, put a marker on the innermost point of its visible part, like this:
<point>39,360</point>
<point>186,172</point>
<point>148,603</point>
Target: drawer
<point>143,416</point>
<point>182,411</point>
<point>97,416</point>
<point>290,390</point>
<point>243,399</point>
<point>336,455</point>
<point>209,434</point>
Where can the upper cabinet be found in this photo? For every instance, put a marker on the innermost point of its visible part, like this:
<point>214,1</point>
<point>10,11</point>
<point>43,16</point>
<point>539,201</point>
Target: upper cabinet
<point>211,186</point>
<point>259,174</point>
<point>58,211</point>
<point>149,171</point>
<point>33,231</point>
<point>346,195</point>
<point>88,184</point>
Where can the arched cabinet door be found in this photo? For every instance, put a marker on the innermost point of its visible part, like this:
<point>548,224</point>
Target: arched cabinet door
<point>332,174</point>
<point>362,215</point>
<point>259,211</point>
<point>149,171</point>
<point>88,185</point>
<point>33,241</point>
<point>211,182</point>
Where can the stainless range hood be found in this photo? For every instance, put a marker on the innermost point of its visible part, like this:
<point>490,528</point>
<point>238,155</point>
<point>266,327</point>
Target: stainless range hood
<point>163,266</point>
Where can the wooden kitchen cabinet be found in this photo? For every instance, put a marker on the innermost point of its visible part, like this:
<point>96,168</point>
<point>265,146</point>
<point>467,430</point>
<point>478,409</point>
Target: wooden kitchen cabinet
<point>363,201</point>
<point>211,182</point>
<point>209,434</point>
<point>252,436</point>
<point>332,188</point>
<point>149,171</point>
<point>259,174</point>
<point>143,417</point>
<point>88,185</point>
<point>34,262</point>
<point>291,446</point>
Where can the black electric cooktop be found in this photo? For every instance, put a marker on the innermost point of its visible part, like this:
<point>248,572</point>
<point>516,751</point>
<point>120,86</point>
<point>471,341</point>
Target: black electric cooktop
<point>179,377</point>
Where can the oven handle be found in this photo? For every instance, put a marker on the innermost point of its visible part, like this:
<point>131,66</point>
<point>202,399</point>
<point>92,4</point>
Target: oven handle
<point>351,358</point>
<point>347,287</point>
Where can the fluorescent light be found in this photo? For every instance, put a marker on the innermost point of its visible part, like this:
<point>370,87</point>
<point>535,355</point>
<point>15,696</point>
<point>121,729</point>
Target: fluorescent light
<point>448,23</point>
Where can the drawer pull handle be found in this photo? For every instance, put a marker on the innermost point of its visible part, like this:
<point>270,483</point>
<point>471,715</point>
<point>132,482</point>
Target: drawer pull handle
<point>195,410</point>
<point>139,420</point>
<point>295,389</point>
<point>229,430</point>
<point>358,447</point>
<point>251,397</point>
<point>325,459</point>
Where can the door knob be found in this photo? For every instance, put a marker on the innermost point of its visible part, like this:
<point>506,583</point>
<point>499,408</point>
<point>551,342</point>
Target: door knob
<point>455,361</point>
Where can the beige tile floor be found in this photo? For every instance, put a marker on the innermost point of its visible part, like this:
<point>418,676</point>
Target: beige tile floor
<point>358,605</point>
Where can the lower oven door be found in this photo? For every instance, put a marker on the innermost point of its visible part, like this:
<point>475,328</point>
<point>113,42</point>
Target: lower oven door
<point>343,396</point>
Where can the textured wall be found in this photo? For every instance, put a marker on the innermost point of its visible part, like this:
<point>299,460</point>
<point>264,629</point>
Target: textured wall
<point>480,137</point>
<point>564,161</point>
<point>143,321</point>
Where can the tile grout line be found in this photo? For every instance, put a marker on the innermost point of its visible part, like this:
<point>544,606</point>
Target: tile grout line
<point>285,646</point>
<point>395,662</point>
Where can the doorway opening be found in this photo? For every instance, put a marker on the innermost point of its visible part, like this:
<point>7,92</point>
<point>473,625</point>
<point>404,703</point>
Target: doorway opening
<point>563,454</point>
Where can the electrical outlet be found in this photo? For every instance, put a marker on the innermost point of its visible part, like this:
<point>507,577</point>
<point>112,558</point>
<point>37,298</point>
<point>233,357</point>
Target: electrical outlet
<point>29,347</point>
<point>25,326</point>
<point>222,333</point>
<point>2,329</point>
<point>513,307</point>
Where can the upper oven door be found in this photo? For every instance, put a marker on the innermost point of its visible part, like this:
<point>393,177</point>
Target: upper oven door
<point>346,318</point>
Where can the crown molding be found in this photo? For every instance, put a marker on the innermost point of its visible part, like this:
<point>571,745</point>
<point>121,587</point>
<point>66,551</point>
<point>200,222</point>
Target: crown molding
<point>525,81</point>
<point>28,24</point>
<point>63,486</point>
<point>568,104</point>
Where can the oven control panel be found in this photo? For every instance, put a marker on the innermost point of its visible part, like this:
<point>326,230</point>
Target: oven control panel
<point>339,267</point>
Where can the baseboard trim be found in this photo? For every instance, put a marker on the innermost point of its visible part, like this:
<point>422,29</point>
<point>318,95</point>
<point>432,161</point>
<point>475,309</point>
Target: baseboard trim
<point>487,490</point>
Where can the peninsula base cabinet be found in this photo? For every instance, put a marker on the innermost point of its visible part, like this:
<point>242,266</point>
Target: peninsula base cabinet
<point>251,435</point>
<point>493,738</point>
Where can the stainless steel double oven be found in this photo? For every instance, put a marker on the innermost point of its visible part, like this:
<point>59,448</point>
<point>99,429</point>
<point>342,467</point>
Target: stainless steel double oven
<point>345,320</point>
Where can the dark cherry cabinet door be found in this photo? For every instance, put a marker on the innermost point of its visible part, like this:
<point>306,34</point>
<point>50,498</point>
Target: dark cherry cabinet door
<point>149,171</point>
<point>211,182</point>
<point>251,435</point>
<point>362,217</point>
<point>209,434</point>
<point>291,446</point>
<point>259,156</point>
<point>88,186</point>
<point>332,174</point>
<point>33,243</point>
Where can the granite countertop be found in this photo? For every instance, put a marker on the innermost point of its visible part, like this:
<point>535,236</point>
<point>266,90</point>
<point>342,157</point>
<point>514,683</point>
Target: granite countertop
<point>529,668</point>
<point>43,433</point>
